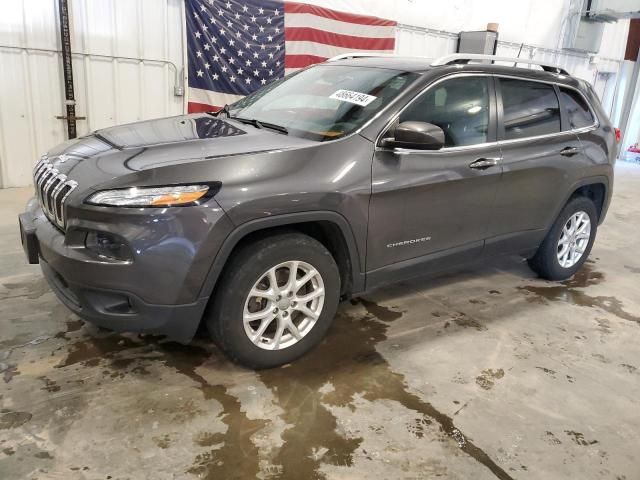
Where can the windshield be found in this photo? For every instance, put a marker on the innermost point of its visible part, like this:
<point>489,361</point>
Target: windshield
<point>324,102</point>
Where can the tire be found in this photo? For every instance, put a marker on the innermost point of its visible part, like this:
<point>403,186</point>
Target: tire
<point>546,262</point>
<point>248,268</point>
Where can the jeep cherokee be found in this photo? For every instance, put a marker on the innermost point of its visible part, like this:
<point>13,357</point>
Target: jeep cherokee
<point>256,220</point>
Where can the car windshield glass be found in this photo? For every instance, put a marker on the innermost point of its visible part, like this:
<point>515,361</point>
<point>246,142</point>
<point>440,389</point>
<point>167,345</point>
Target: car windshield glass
<point>324,102</point>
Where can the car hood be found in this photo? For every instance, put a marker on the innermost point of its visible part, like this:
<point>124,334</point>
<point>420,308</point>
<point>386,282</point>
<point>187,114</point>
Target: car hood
<point>123,150</point>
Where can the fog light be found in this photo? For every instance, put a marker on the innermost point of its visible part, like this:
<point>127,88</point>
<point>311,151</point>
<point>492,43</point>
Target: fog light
<point>108,245</point>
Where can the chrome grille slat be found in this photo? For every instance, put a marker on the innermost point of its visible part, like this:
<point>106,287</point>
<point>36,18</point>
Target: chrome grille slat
<point>52,189</point>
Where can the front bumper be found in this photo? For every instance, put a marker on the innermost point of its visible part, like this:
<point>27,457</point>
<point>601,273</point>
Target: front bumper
<point>141,295</point>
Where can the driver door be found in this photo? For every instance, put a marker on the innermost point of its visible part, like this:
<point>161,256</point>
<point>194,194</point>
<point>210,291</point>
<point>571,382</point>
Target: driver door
<point>431,208</point>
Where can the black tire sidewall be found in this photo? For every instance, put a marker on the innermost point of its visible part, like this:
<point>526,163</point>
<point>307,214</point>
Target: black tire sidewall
<point>225,322</point>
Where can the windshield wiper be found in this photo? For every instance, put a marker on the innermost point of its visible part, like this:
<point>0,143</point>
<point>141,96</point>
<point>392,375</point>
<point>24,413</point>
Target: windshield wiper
<point>260,124</point>
<point>224,109</point>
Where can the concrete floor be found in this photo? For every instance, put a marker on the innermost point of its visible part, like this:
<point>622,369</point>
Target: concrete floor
<point>483,373</point>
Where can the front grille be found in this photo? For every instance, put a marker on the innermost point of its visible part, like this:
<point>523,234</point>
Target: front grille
<point>52,190</point>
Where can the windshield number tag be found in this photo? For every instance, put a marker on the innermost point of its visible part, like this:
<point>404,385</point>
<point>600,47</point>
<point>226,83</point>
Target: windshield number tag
<point>357,98</point>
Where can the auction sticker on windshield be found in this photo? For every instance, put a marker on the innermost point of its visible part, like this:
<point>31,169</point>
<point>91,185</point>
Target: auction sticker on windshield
<point>357,98</point>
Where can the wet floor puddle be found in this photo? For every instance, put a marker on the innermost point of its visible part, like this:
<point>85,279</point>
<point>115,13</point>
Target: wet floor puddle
<point>347,360</point>
<point>572,291</point>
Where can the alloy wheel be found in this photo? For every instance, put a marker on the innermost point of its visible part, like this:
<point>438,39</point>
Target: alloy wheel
<point>283,305</point>
<point>574,239</point>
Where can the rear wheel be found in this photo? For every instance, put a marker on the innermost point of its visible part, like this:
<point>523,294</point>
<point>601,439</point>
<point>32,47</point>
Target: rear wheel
<point>568,244</point>
<point>275,301</point>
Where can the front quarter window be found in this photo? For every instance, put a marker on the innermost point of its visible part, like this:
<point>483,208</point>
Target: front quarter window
<point>324,102</point>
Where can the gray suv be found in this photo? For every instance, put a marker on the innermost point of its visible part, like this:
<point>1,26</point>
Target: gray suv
<point>256,220</point>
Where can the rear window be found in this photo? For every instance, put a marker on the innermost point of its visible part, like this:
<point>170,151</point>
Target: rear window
<point>578,110</point>
<point>530,109</point>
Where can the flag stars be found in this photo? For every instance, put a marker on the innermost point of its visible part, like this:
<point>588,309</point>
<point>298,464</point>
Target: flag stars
<point>232,78</point>
<point>262,46</point>
<point>254,37</point>
<point>229,23</point>
<point>203,8</point>
<point>240,53</point>
<point>228,4</point>
<point>224,69</point>
<point>237,34</point>
<point>276,12</point>
<point>232,60</point>
<point>200,73</point>
<point>277,29</point>
<point>237,15</point>
<point>256,73</point>
<point>261,10</point>
<point>220,12</point>
<point>207,65</point>
<point>270,73</point>
<point>198,34</point>
<point>253,18</point>
<point>207,47</point>
<point>269,20</point>
<point>198,54</point>
<point>270,54</point>
<point>255,55</point>
<point>232,42</point>
<point>245,27</point>
<point>264,64</point>
<point>248,63</point>
<point>247,80</point>
<point>240,71</point>
<point>263,81</point>
<point>245,8</point>
<point>215,76</point>
<point>261,28</point>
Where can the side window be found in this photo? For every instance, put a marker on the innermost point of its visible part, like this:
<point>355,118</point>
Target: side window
<point>530,109</point>
<point>459,106</point>
<point>577,108</point>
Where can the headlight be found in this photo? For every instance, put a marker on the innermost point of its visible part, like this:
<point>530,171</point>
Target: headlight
<point>150,196</point>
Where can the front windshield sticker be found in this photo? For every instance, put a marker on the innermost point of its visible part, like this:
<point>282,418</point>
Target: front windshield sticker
<point>358,98</point>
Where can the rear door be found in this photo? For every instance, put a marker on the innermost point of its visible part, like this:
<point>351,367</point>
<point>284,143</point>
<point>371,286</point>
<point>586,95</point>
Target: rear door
<point>427,204</point>
<point>539,151</point>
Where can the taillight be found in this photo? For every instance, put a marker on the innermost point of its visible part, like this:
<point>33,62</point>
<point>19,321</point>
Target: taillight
<point>618,134</point>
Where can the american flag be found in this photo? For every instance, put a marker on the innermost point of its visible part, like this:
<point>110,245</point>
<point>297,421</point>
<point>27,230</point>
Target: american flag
<point>235,47</point>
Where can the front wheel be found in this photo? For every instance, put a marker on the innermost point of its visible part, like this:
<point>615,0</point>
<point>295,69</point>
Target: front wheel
<point>275,301</point>
<point>568,244</point>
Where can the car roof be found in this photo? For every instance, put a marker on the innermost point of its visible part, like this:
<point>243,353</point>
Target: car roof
<point>422,65</point>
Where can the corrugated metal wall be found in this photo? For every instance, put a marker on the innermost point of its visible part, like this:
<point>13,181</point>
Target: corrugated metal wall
<point>112,84</point>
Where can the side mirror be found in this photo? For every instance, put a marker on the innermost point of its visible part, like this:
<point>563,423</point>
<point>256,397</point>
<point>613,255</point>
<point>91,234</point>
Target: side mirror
<point>415,135</point>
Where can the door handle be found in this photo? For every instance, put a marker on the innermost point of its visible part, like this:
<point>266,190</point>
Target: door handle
<point>569,151</point>
<point>482,163</point>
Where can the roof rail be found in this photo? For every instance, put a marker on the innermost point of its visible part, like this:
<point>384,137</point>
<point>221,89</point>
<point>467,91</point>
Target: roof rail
<point>463,58</point>
<point>344,56</point>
